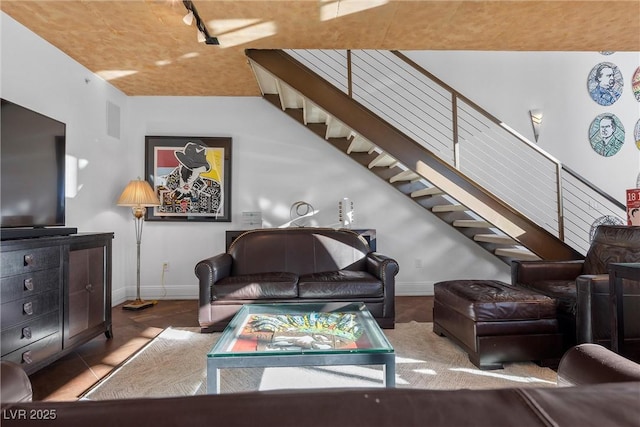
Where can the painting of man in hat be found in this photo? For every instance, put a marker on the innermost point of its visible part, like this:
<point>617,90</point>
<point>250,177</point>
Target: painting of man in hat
<point>191,183</point>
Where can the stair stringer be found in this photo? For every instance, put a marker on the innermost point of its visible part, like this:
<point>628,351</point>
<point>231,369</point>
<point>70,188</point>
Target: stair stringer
<point>402,162</point>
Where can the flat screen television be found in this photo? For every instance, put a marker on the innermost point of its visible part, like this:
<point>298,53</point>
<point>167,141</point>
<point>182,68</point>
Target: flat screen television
<point>32,173</point>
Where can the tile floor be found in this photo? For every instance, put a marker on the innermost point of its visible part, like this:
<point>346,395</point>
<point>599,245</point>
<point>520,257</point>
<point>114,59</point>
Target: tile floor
<point>68,377</point>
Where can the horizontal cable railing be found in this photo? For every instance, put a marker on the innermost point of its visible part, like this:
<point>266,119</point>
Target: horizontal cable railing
<point>468,138</point>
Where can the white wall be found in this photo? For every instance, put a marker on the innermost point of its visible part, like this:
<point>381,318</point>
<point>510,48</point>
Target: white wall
<point>275,162</point>
<point>509,84</point>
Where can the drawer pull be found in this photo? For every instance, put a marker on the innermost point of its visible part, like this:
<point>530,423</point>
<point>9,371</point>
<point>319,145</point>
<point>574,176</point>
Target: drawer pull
<point>28,259</point>
<point>89,287</point>
<point>28,308</point>
<point>26,332</point>
<point>28,284</point>
<point>27,357</point>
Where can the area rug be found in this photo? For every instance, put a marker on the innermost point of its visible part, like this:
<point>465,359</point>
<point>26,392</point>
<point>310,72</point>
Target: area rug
<point>174,364</point>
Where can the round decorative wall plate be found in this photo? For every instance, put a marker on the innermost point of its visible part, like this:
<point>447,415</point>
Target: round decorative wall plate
<point>604,220</point>
<point>605,83</point>
<point>635,84</point>
<point>636,134</point>
<point>606,134</point>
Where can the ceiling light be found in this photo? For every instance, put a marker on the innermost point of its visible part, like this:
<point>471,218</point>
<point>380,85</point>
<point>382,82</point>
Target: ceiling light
<point>203,33</point>
<point>188,18</point>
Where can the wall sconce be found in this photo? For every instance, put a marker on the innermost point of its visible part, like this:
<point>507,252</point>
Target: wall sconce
<point>536,122</point>
<point>203,33</point>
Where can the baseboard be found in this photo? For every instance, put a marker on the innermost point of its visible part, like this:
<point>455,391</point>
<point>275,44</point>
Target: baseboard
<point>404,289</point>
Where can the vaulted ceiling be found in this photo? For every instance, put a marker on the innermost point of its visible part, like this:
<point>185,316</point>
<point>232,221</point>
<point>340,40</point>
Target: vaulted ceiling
<point>144,48</point>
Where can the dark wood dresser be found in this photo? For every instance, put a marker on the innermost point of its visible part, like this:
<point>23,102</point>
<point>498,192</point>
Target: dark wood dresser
<point>55,294</point>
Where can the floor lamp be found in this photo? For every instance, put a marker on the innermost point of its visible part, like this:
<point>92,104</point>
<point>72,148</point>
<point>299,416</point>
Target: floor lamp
<point>139,195</point>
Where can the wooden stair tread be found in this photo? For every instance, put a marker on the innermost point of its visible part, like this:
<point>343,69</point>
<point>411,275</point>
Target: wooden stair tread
<point>521,254</point>
<point>406,175</point>
<point>360,145</point>
<point>383,160</point>
<point>429,191</point>
<point>472,223</point>
<point>494,238</point>
<point>449,208</point>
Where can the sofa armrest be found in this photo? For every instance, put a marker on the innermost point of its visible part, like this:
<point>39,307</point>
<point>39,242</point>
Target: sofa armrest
<point>594,364</point>
<point>16,386</point>
<point>381,266</point>
<point>209,271</point>
<point>524,272</point>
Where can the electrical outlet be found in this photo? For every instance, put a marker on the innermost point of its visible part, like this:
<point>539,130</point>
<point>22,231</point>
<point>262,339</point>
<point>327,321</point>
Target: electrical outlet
<point>418,263</point>
<point>165,266</point>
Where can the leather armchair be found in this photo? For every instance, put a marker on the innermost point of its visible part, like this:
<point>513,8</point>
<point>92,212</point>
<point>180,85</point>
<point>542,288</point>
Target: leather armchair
<point>581,288</point>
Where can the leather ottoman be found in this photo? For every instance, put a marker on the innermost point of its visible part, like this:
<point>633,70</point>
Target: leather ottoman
<point>495,322</point>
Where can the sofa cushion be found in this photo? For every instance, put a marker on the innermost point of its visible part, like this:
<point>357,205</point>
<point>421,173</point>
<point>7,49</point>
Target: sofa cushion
<point>257,286</point>
<point>563,291</point>
<point>297,250</point>
<point>492,300</point>
<point>340,284</point>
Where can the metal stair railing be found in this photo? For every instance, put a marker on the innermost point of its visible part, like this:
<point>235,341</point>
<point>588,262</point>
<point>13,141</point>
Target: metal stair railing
<point>467,137</point>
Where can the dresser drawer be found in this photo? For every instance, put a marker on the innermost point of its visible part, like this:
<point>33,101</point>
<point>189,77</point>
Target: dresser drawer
<point>36,352</point>
<point>28,260</point>
<point>22,310</point>
<point>30,331</point>
<point>24,285</point>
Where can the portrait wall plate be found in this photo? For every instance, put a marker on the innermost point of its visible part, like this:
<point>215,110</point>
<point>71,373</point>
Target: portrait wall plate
<point>191,176</point>
<point>605,83</point>
<point>635,84</point>
<point>606,134</point>
<point>636,134</point>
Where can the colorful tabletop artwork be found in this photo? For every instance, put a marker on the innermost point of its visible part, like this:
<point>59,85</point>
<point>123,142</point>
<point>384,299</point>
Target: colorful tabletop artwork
<point>314,331</point>
<point>606,134</point>
<point>605,83</point>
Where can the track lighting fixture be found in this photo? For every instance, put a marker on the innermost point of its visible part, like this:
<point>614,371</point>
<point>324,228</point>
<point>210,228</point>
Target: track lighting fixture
<point>188,18</point>
<point>203,33</point>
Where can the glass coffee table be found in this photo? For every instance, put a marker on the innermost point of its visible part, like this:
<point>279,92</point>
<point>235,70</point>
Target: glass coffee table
<point>287,335</point>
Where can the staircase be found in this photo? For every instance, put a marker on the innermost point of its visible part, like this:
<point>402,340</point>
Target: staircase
<point>402,162</point>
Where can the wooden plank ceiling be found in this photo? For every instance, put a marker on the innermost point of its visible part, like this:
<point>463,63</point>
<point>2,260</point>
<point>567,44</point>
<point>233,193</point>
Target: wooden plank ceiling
<point>143,47</point>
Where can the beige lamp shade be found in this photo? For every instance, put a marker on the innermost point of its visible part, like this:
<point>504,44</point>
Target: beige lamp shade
<point>138,193</point>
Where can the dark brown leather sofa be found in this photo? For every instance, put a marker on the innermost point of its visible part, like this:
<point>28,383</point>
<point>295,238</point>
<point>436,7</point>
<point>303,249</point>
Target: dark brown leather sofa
<point>295,265</point>
<point>608,398</point>
<point>581,288</point>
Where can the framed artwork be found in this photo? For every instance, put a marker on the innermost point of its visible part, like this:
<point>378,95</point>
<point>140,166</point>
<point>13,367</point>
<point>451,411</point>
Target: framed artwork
<point>191,176</point>
<point>635,84</point>
<point>605,83</point>
<point>606,134</point>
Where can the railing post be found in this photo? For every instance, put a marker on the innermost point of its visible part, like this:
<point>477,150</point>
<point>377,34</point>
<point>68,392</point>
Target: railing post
<point>560,204</point>
<point>454,118</point>
<point>349,76</point>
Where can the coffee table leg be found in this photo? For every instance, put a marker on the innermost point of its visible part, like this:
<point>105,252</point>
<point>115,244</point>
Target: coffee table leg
<point>213,379</point>
<point>389,370</point>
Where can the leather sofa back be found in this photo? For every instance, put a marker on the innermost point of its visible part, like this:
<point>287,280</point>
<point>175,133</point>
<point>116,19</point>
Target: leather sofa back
<point>612,243</point>
<point>298,250</point>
